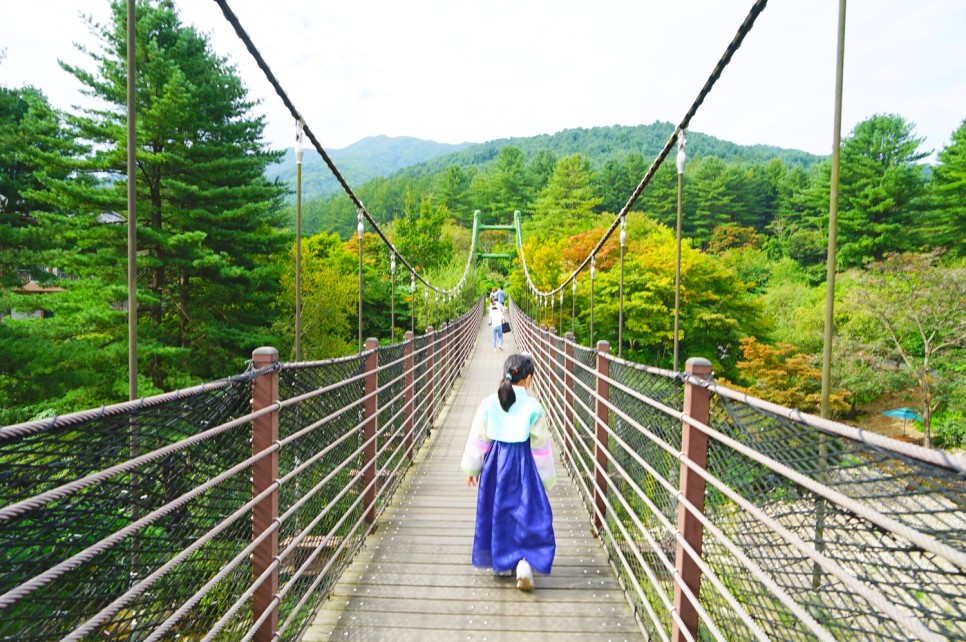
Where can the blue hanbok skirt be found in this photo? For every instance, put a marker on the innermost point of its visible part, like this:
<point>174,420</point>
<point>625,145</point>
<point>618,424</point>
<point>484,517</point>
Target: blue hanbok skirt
<point>513,516</point>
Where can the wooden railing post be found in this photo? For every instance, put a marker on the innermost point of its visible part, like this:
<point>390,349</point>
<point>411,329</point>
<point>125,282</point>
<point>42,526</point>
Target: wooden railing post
<point>443,361</point>
<point>552,361</point>
<point>600,435</point>
<point>694,446</point>
<point>568,394</point>
<point>409,394</point>
<point>541,352</point>
<point>264,477</point>
<point>430,368</point>
<point>369,430</point>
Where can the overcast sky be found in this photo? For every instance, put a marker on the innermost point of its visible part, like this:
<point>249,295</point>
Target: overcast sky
<point>454,71</point>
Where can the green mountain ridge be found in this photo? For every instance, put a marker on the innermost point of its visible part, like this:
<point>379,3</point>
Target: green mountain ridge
<point>383,156</point>
<point>358,163</point>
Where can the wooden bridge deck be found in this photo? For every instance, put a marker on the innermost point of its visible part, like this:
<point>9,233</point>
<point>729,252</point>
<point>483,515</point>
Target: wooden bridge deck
<point>413,580</point>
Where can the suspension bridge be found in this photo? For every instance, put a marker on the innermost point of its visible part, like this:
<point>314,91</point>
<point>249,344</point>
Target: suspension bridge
<point>322,500</point>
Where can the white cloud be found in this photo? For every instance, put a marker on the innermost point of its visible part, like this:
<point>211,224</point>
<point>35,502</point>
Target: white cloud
<point>456,71</point>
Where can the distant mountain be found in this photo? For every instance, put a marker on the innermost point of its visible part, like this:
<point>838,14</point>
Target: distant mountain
<point>378,156</point>
<point>360,162</point>
<point>600,144</point>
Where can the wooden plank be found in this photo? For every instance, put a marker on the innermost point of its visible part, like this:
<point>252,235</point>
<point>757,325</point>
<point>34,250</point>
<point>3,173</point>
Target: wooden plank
<point>413,580</point>
<point>494,592</point>
<point>476,618</point>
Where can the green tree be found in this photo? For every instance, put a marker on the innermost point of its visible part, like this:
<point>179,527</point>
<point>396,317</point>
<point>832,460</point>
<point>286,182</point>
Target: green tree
<point>709,200</point>
<point>946,223</point>
<point>617,180</point>
<point>880,181</point>
<point>453,191</point>
<point>567,203</point>
<point>508,188</point>
<point>920,306</point>
<point>540,169</point>
<point>660,198</point>
<point>208,219</point>
<point>419,236</point>
<point>329,304</point>
<point>716,309</point>
<point>32,141</point>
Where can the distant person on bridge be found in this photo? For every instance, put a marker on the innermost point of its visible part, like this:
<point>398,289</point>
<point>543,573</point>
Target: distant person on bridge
<point>496,321</point>
<point>500,296</point>
<point>508,454</point>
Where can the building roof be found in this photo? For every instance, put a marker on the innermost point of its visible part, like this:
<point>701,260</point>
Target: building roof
<point>32,287</point>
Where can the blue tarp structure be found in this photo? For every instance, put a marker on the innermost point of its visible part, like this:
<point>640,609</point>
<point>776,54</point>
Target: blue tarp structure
<point>903,413</point>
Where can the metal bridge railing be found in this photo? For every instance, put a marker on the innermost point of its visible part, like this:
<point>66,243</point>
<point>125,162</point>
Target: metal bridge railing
<point>220,512</point>
<point>730,518</point>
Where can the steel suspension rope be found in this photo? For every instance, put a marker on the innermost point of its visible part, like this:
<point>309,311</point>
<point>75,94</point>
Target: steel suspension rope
<point>360,207</point>
<point>733,47</point>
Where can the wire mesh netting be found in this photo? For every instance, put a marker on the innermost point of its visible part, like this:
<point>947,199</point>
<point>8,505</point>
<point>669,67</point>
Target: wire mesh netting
<point>929,500</point>
<point>392,421</point>
<point>420,390</point>
<point>135,521</point>
<point>650,504</point>
<point>69,556</point>
<point>811,532</point>
<point>584,417</point>
<point>317,539</point>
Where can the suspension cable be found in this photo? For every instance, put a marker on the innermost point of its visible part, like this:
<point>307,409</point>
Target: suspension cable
<point>270,76</point>
<point>733,46</point>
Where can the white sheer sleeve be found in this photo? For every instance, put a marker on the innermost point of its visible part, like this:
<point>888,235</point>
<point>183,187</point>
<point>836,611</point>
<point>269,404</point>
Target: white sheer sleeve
<point>540,443</point>
<point>477,445</point>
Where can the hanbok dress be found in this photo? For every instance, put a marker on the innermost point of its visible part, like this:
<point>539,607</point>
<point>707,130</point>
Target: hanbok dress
<point>510,452</point>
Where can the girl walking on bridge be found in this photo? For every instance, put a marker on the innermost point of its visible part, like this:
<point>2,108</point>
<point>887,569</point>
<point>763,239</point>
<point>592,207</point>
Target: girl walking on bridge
<point>508,454</point>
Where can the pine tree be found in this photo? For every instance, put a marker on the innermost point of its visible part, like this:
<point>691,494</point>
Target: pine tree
<point>880,180</point>
<point>709,201</point>
<point>30,131</point>
<point>947,197</point>
<point>207,218</point>
<point>568,201</point>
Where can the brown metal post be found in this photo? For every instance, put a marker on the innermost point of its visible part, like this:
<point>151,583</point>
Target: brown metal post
<point>369,430</point>
<point>542,350</point>
<point>551,359</point>
<point>568,394</point>
<point>409,394</point>
<point>600,434</point>
<point>430,368</point>
<point>264,477</point>
<point>443,361</point>
<point>694,446</point>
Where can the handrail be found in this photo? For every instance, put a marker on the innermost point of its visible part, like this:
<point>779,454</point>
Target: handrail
<point>157,541</point>
<point>788,504</point>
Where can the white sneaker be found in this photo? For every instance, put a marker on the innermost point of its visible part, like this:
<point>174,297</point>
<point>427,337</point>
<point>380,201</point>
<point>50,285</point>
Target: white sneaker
<point>524,576</point>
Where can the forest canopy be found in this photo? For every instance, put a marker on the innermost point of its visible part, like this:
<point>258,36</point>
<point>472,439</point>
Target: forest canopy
<point>216,243</point>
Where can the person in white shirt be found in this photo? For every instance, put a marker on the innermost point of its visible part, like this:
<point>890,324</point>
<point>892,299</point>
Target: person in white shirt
<point>496,324</point>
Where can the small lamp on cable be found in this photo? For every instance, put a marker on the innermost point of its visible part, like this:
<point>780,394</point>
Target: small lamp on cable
<point>298,141</point>
<point>682,157</point>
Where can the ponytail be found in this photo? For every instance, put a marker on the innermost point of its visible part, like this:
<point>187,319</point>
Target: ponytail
<point>517,368</point>
<point>505,394</point>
